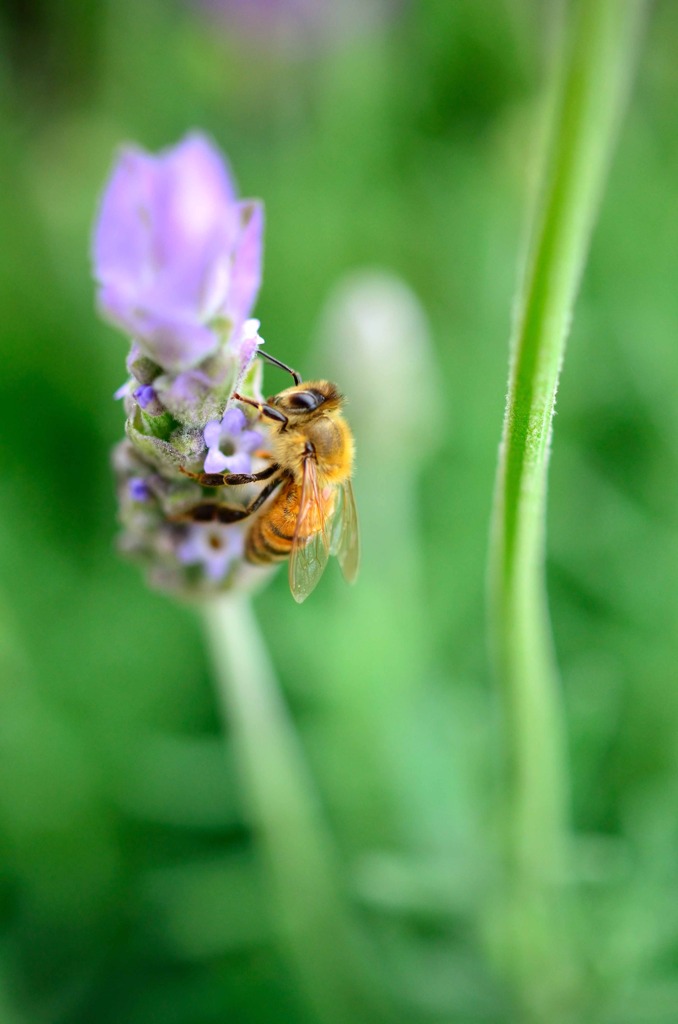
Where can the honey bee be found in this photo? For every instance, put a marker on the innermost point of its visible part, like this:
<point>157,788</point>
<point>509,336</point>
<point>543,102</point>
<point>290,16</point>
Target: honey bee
<point>313,514</point>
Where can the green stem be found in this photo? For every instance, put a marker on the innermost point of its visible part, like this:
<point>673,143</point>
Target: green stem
<point>303,873</point>
<point>597,60</point>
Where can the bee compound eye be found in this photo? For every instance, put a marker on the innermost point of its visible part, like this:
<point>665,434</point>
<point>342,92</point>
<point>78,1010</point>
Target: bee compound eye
<point>306,400</point>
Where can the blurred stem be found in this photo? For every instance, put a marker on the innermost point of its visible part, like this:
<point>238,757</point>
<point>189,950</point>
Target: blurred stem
<point>598,49</point>
<point>284,812</point>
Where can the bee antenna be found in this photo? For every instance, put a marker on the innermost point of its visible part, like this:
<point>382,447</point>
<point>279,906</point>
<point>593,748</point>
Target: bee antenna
<point>283,366</point>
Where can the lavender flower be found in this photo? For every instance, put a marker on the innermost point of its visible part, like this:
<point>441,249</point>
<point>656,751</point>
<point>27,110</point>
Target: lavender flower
<point>229,444</point>
<point>138,489</point>
<point>176,255</point>
<point>177,258</point>
<point>213,547</point>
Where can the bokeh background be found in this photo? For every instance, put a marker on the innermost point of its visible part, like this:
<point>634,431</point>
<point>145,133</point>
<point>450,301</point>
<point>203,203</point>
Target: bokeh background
<point>386,138</point>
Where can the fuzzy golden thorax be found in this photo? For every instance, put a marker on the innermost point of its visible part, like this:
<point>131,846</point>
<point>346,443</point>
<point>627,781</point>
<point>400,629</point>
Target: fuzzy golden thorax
<point>313,424</point>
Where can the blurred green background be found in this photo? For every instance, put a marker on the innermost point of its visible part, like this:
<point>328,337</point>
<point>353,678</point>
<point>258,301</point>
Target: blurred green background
<point>132,890</point>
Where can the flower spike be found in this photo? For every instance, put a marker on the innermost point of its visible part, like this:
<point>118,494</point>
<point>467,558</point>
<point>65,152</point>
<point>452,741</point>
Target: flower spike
<point>177,261</point>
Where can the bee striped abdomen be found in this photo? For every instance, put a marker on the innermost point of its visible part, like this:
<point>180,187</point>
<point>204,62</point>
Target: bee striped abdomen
<point>270,538</point>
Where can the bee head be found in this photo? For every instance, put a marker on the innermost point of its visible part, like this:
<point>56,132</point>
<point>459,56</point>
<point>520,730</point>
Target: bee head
<point>307,399</point>
<point>298,404</point>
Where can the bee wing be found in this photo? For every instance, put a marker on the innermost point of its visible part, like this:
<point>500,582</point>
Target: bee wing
<point>345,543</point>
<point>311,543</point>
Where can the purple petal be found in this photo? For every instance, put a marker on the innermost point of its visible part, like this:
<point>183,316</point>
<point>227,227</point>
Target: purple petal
<point>144,395</point>
<point>233,422</point>
<point>216,566</point>
<point>215,462</point>
<point>195,213</point>
<point>117,305</point>
<point>138,489</point>
<point>195,190</point>
<point>212,433</point>
<point>122,245</point>
<point>249,440</point>
<point>248,344</point>
<point>172,338</point>
<point>190,549</point>
<point>219,560</point>
<point>187,387</point>
<point>237,463</point>
<point>246,272</point>
<point>179,346</point>
<point>216,283</point>
<point>175,344</point>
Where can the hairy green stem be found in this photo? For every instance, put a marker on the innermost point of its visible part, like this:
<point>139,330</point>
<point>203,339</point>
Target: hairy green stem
<point>597,58</point>
<point>304,878</point>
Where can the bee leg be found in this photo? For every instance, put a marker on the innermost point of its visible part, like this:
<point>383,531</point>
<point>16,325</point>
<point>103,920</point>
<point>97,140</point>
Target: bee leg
<point>230,479</point>
<point>214,512</point>
<point>206,512</point>
<point>265,410</point>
